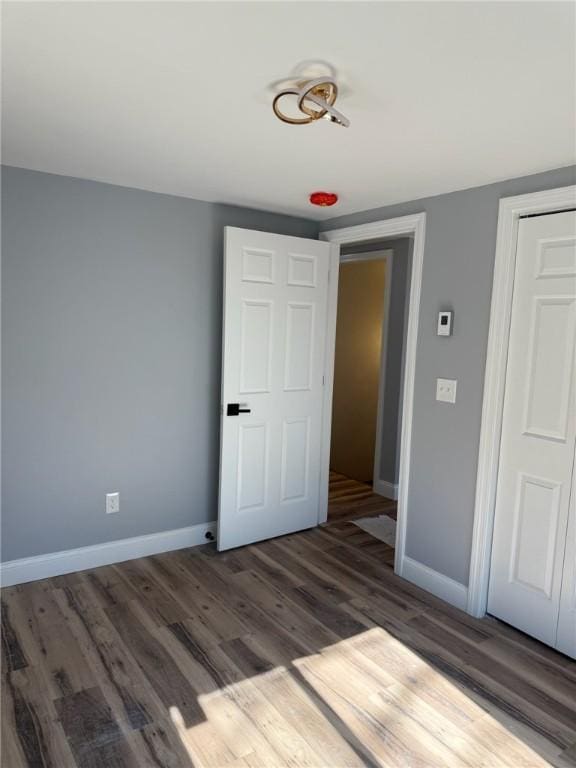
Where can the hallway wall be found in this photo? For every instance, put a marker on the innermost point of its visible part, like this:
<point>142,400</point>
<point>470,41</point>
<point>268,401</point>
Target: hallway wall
<point>357,367</point>
<point>397,322</point>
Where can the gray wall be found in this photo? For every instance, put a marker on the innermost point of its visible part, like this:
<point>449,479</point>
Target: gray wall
<point>396,335</point>
<point>111,358</point>
<point>458,267</point>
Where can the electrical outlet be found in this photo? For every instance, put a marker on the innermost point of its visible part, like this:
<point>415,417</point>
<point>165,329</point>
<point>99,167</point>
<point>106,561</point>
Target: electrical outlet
<point>112,503</point>
<point>446,390</point>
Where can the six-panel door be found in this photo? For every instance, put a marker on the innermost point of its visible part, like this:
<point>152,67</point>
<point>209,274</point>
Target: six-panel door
<point>275,314</point>
<point>531,565</point>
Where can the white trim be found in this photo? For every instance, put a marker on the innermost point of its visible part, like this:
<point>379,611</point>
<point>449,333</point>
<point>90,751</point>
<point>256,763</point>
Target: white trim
<point>414,226</point>
<point>384,488</point>
<point>329,352</point>
<point>510,211</point>
<point>366,255</point>
<point>375,230</point>
<point>72,560</point>
<point>388,259</point>
<point>443,587</point>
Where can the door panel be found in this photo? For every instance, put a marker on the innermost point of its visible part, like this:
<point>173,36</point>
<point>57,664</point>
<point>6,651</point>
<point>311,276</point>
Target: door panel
<point>534,534</point>
<point>538,430</point>
<point>252,466</point>
<point>275,315</point>
<point>551,352</point>
<point>256,347</point>
<point>299,347</point>
<point>295,459</point>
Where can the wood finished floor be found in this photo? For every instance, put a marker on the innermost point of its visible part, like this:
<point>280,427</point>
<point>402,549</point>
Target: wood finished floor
<point>349,500</point>
<point>302,651</point>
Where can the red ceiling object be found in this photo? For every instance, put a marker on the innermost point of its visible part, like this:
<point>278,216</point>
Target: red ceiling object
<point>324,199</point>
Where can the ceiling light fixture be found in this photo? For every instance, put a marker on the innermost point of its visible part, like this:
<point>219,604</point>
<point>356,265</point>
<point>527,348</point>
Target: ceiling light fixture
<point>315,100</point>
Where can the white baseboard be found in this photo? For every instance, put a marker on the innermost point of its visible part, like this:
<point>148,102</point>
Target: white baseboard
<point>447,589</point>
<point>72,560</point>
<point>384,488</point>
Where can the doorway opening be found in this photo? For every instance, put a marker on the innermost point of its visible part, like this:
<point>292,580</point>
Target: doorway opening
<point>371,325</point>
<point>279,331</point>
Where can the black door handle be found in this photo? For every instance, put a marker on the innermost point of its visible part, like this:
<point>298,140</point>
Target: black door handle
<point>233,409</point>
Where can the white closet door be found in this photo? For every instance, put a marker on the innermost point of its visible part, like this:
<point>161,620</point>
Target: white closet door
<point>538,430</point>
<point>275,315</point>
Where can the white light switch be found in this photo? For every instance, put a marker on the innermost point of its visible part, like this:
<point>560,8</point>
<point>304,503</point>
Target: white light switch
<point>446,390</point>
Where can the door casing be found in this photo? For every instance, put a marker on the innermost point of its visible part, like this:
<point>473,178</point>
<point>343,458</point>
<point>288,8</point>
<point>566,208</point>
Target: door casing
<point>413,226</point>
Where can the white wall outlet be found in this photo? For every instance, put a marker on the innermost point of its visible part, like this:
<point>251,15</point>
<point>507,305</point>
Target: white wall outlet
<point>112,503</point>
<point>446,390</point>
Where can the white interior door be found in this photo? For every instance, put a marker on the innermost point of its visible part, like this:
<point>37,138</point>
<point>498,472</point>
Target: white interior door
<point>275,317</point>
<point>538,431</point>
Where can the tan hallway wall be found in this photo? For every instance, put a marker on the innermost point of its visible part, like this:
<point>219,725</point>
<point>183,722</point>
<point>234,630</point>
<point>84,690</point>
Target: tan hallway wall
<point>357,367</point>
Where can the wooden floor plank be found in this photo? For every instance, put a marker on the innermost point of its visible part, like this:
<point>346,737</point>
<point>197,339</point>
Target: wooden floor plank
<point>49,642</point>
<point>35,720</point>
<point>305,569</point>
<point>159,746</point>
<point>13,656</point>
<point>350,499</point>
<point>261,663</point>
<point>125,688</point>
<point>92,732</point>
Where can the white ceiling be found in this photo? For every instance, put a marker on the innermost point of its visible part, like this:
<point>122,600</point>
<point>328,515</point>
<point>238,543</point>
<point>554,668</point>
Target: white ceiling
<point>175,97</point>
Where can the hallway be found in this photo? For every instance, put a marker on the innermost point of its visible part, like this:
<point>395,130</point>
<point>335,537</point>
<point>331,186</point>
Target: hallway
<point>349,500</point>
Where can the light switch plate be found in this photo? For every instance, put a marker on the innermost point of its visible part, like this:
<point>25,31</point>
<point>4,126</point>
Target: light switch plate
<point>446,390</point>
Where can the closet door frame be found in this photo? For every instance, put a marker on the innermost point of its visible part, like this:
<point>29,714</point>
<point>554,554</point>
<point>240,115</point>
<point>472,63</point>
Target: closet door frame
<point>511,209</point>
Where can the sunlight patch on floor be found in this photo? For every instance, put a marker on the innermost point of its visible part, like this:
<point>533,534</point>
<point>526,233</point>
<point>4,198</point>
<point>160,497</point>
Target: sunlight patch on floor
<point>365,697</point>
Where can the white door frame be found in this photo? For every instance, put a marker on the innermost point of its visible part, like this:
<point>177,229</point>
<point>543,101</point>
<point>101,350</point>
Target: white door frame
<point>510,211</point>
<point>382,487</point>
<point>412,226</point>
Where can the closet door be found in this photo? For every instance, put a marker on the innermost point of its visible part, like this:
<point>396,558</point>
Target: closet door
<point>538,431</point>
